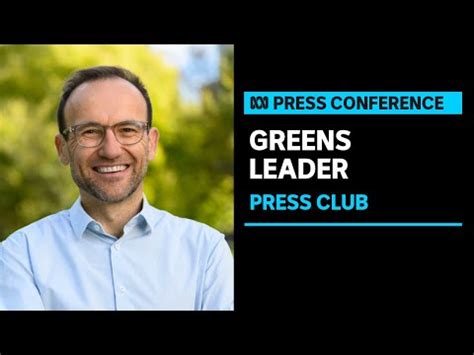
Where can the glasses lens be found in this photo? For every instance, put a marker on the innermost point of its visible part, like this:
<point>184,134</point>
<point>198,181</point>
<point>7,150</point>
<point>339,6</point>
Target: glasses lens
<point>129,132</point>
<point>90,135</point>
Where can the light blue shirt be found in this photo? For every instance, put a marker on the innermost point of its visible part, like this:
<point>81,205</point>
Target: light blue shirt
<point>162,262</point>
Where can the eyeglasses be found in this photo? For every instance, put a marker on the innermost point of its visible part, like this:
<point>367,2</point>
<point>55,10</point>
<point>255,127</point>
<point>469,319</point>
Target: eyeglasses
<point>90,135</point>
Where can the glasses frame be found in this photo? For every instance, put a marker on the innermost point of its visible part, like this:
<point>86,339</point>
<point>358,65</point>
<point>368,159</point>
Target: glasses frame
<point>73,129</point>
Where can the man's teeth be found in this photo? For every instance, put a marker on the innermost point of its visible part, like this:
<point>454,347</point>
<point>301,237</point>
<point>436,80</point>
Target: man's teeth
<point>111,169</point>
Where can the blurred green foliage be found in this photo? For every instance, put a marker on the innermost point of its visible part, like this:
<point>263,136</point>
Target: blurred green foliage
<point>192,175</point>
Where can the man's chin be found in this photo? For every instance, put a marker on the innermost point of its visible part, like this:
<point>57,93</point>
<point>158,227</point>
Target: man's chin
<point>110,198</point>
<point>106,195</point>
<point>108,192</point>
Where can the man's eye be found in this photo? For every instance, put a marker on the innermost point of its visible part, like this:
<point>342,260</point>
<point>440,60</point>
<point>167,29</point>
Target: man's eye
<point>90,131</point>
<point>128,130</point>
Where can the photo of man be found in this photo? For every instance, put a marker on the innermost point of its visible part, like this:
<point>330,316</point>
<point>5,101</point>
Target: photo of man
<point>112,250</point>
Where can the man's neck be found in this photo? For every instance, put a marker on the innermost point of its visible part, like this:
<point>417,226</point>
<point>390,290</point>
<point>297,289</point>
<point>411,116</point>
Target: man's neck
<point>113,216</point>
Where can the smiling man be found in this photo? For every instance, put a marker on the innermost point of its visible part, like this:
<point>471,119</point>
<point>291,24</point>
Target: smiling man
<point>112,250</point>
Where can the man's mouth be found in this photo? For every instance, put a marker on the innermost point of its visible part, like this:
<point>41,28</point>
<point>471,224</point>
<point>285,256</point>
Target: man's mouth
<point>110,169</point>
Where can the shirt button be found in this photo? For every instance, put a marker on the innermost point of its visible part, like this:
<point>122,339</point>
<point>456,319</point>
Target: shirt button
<point>122,289</point>
<point>117,246</point>
<point>96,227</point>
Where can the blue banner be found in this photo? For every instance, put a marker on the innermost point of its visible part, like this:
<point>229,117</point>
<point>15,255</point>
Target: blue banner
<point>352,103</point>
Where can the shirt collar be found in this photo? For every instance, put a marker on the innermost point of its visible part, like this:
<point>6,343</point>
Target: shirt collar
<point>149,213</point>
<point>80,220</point>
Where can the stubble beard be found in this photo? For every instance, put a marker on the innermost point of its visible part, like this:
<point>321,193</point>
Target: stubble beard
<point>88,185</point>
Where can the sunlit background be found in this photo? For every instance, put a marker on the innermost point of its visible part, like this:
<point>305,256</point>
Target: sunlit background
<point>198,66</point>
<point>191,89</point>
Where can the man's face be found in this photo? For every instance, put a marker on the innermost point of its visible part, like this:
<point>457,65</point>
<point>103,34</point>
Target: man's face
<point>110,172</point>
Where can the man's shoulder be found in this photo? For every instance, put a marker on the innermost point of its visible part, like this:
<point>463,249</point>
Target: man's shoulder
<point>187,227</point>
<point>40,228</point>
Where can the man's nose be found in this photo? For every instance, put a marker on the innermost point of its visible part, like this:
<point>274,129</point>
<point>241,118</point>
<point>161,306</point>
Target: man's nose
<point>110,147</point>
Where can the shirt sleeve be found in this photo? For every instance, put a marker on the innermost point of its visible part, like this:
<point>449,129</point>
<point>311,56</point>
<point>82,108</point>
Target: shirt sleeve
<point>219,279</point>
<point>18,290</point>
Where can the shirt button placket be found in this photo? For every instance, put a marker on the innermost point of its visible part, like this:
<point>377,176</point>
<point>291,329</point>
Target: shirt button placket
<point>120,288</point>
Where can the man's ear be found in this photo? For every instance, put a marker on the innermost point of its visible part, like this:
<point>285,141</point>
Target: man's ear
<point>153,138</point>
<point>61,148</point>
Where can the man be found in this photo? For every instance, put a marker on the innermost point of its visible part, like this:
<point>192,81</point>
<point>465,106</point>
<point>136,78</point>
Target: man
<point>112,250</point>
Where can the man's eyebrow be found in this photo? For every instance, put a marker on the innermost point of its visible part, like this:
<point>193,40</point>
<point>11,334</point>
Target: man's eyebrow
<point>86,122</point>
